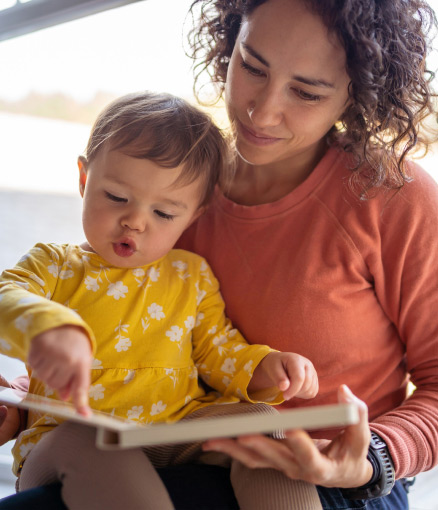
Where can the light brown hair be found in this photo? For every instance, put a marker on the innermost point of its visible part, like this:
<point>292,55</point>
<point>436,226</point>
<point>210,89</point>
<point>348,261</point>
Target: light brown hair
<point>166,130</point>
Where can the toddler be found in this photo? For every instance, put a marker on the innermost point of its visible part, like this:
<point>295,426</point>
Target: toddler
<point>132,327</point>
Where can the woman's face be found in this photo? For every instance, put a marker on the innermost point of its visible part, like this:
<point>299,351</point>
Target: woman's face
<point>286,84</point>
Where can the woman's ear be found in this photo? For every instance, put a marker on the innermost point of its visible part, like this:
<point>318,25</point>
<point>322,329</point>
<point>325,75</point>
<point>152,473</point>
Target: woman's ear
<point>83,168</point>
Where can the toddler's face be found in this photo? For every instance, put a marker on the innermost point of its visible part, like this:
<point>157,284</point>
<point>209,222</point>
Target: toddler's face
<point>132,212</point>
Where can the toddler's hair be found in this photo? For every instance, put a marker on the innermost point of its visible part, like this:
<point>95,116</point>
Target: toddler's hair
<point>166,130</point>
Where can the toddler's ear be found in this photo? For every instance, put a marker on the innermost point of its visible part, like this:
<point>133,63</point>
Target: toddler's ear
<point>198,213</point>
<point>82,165</point>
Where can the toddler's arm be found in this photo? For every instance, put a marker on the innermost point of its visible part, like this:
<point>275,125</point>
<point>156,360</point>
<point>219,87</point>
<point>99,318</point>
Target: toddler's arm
<point>61,357</point>
<point>293,374</point>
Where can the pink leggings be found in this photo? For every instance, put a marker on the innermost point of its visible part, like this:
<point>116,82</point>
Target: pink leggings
<point>126,479</point>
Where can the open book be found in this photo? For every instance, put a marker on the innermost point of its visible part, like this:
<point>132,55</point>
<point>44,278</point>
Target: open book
<point>114,432</point>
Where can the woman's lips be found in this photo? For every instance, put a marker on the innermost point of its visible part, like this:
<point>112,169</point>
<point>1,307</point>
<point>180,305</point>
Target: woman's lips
<point>256,138</point>
<point>124,247</point>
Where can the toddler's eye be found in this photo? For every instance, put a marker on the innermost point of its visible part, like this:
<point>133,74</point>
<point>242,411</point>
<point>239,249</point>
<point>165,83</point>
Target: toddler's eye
<point>164,215</point>
<point>114,198</point>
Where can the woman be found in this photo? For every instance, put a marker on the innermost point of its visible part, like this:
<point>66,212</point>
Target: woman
<point>326,240</point>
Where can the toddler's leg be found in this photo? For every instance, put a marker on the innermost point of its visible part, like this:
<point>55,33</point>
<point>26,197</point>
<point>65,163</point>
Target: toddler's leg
<point>260,489</point>
<point>93,478</point>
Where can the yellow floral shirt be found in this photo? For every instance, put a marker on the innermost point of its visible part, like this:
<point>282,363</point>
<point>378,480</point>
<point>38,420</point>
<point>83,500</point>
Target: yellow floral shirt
<point>154,330</point>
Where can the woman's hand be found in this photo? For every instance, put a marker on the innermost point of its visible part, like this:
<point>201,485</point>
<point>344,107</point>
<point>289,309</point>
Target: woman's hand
<point>9,418</point>
<point>341,462</point>
<point>61,358</point>
<point>291,373</point>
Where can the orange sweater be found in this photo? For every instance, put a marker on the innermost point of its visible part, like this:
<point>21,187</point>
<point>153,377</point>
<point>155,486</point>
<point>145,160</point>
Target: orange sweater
<point>350,284</point>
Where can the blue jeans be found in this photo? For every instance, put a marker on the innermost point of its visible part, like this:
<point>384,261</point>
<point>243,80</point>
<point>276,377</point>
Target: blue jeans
<point>212,492</point>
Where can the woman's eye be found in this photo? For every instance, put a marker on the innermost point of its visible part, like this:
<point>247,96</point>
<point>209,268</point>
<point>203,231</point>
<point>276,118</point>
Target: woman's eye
<point>164,215</point>
<point>114,198</point>
<point>251,70</point>
<point>308,97</point>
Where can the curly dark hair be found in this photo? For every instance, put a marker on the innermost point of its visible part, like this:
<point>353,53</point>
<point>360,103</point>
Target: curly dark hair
<point>386,43</point>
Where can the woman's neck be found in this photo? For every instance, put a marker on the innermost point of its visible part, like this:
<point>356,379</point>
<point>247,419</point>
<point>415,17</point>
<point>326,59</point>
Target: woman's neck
<point>256,185</point>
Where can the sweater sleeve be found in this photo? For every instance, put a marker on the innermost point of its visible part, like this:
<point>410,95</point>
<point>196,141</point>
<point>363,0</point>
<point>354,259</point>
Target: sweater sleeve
<point>406,283</point>
<point>224,359</point>
<point>26,304</point>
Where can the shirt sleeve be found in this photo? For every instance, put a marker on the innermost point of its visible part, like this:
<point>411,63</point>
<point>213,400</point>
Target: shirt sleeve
<point>26,304</point>
<point>225,361</point>
<point>406,283</point>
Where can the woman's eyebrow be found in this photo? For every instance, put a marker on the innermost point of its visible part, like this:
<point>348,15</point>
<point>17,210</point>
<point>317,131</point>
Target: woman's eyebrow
<point>256,55</point>
<point>308,81</point>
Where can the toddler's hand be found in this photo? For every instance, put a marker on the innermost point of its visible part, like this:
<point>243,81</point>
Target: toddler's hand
<point>293,374</point>
<point>61,358</point>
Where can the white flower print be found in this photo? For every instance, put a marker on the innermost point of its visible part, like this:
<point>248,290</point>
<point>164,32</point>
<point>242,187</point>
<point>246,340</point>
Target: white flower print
<point>180,265</point>
<point>153,273</point>
<point>242,396</point>
<point>22,323</point>
<point>24,257</point>
<point>239,347</point>
<point>123,344</point>
<point>91,283</point>
<point>138,272</point>
<point>232,332</point>
<point>96,391</point>
<point>53,270</point>
<point>172,375</point>
<point>50,420</point>
<point>175,333</point>
<point>181,269</point>
<point>158,408</point>
<point>205,272</point>
<point>145,323</point>
<point>187,399</point>
<point>26,448</point>
<point>4,345</point>
<point>249,367</point>
<point>129,377</point>
<point>189,323</point>
<point>218,341</point>
<point>66,272</point>
<point>117,290</point>
<point>134,413</point>
<point>96,364</point>
<point>193,373</point>
<point>212,330</point>
<point>156,311</point>
<point>200,294</point>
<point>228,366</point>
<point>226,380</point>
<point>200,318</point>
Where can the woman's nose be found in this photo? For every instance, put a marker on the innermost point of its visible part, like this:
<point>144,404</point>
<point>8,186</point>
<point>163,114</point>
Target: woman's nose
<point>266,109</point>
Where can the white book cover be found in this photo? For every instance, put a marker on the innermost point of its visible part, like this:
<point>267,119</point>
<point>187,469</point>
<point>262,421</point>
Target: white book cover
<point>114,432</point>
